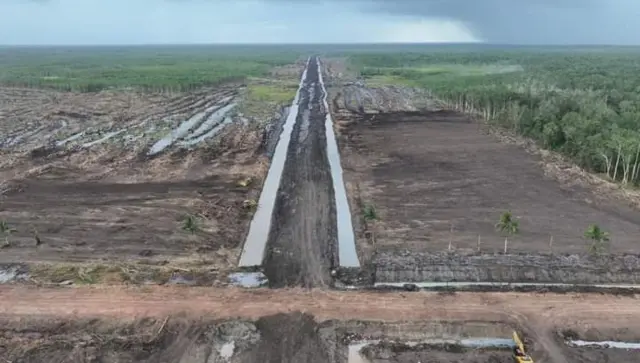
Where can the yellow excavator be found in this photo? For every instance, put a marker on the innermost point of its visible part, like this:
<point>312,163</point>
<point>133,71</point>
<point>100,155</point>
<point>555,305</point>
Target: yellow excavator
<point>519,354</point>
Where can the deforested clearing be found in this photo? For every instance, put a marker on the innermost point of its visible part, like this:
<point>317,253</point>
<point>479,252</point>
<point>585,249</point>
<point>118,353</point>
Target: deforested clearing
<point>437,181</point>
<point>129,178</point>
<point>441,156</point>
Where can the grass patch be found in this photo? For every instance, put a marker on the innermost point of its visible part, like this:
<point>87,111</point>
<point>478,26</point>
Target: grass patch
<point>264,97</point>
<point>370,213</point>
<point>191,223</point>
<point>273,92</point>
<point>78,274</point>
<point>387,80</point>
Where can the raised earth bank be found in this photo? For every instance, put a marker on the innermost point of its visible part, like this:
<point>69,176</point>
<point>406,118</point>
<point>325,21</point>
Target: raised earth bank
<point>455,267</point>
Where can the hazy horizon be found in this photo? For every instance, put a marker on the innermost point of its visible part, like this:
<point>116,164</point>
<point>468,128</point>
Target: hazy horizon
<point>280,22</point>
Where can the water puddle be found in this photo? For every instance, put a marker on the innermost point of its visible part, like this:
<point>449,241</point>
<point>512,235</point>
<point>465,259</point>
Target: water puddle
<point>256,242</point>
<point>226,351</point>
<point>70,139</point>
<point>347,254</point>
<point>354,355</point>
<point>355,348</point>
<point>182,131</point>
<point>603,344</point>
<point>106,137</point>
<point>11,273</point>
<point>213,132</point>
<point>248,279</point>
<point>463,284</point>
<point>211,121</point>
<point>177,279</point>
<point>16,140</point>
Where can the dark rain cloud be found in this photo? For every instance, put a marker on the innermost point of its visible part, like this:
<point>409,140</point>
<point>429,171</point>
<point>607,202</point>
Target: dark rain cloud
<point>526,21</point>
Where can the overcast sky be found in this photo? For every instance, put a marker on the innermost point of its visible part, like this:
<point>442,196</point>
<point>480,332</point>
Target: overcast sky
<point>318,21</point>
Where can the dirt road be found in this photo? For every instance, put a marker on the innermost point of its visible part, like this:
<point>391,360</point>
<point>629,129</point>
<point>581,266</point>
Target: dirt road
<point>546,310</point>
<point>538,315</point>
<point>302,241</point>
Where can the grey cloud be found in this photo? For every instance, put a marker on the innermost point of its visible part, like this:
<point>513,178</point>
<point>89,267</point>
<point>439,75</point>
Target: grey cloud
<point>526,21</point>
<point>541,21</point>
<point>495,21</point>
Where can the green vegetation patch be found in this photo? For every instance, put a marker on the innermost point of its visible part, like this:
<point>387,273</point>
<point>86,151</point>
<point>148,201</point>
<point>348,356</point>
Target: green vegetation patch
<point>168,68</point>
<point>264,96</point>
<point>280,92</point>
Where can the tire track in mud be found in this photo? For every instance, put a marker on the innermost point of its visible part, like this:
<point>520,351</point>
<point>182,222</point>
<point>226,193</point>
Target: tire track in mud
<point>302,242</point>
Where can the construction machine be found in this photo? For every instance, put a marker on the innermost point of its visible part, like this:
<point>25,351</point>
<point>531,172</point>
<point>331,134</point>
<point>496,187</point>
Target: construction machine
<point>519,354</point>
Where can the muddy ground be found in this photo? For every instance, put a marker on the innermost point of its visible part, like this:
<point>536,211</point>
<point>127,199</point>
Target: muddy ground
<point>274,339</point>
<point>437,180</point>
<point>393,352</point>
<point>427,187</point>
<point>302,243</point>
<point>86,201</point>
<point>285,337</point>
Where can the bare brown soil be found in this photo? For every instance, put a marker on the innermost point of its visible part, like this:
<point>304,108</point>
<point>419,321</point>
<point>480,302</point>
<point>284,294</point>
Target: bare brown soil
<point>273,339</point>
<point>108,213</point>
<point>437,180</point>
<point>538,316</point>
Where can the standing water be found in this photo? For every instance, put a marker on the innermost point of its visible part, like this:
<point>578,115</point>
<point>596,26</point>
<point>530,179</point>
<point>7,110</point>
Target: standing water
<point>347,254</point>
<point>256,242</point>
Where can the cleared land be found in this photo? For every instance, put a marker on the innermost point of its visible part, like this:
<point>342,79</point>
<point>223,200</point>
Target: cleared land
<point>430,178</point>
<point>436,179</point>
<point>170,327</point>
<point>152,180</point>
<point>143,183</point>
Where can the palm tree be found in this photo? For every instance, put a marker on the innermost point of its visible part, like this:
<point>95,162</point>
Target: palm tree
<point>598,237</point>
<point>507,225</point>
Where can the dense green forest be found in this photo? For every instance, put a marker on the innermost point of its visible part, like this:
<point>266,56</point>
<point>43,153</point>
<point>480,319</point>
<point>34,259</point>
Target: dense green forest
<point>167,68</point>
<point>582,103</point>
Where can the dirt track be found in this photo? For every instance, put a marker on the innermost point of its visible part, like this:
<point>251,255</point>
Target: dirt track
<point>546,309</point>
<point>538,315</point>
<point>301,245</point>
